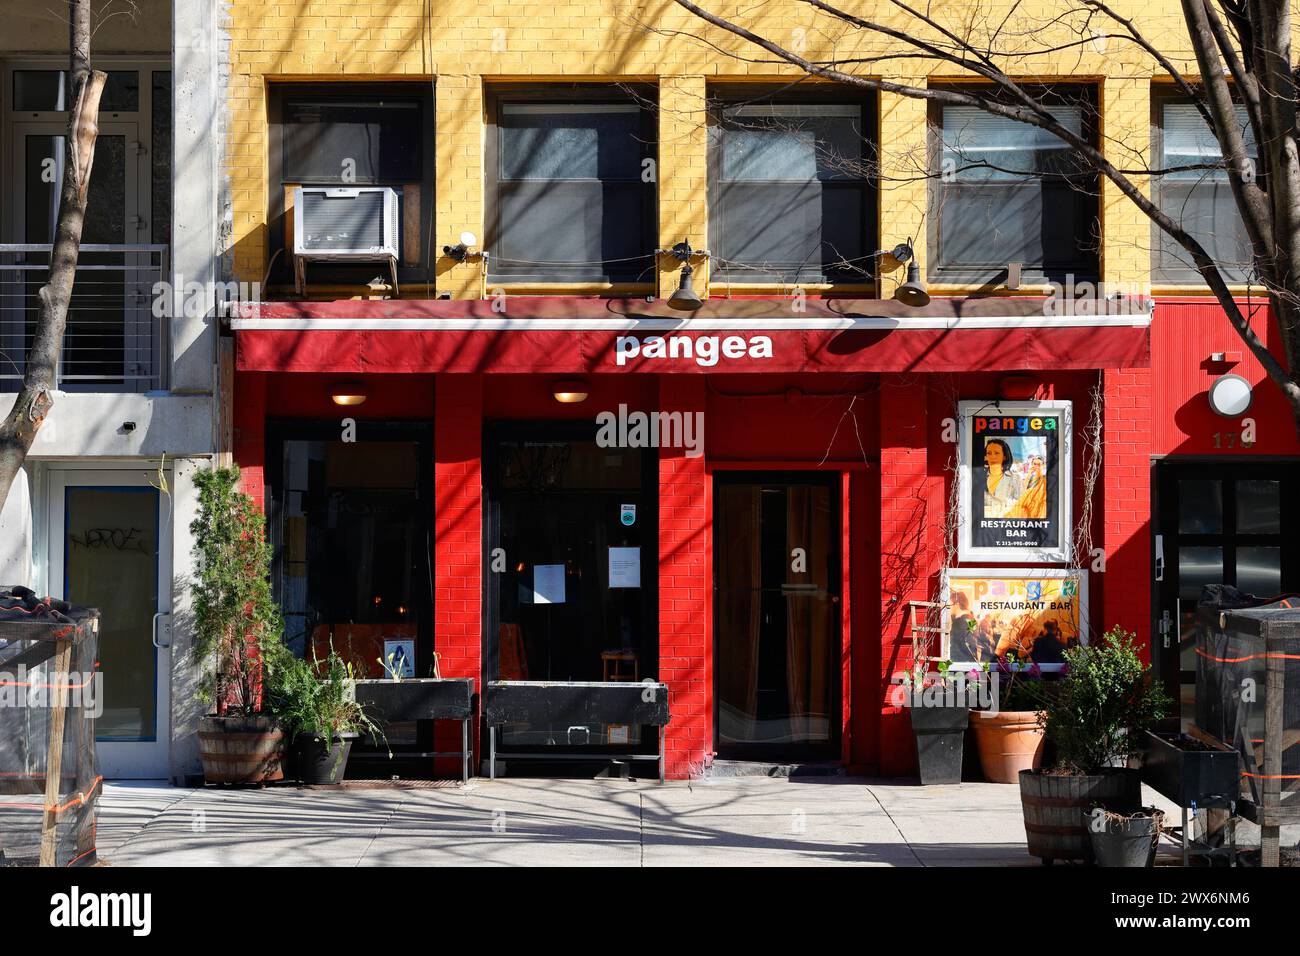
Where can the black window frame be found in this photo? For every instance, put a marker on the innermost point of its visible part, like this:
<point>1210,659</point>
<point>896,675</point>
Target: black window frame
<point>1161,272</point>
<point>280,258</point>
<point>1087,267</point>
<point>640,273</point>
<point>723,99</point>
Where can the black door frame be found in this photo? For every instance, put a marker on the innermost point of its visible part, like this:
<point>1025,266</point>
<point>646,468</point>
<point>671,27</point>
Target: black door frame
<point>494,432</point>
<point>832,750</point>
<point>1165,472</point>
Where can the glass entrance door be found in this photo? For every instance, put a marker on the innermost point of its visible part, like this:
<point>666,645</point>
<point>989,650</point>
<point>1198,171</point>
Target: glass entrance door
<point>110,548</point>
<point>1235,524</point>
<point>777,627</point>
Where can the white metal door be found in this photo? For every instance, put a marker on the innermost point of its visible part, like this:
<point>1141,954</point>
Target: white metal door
<point>110,541</point>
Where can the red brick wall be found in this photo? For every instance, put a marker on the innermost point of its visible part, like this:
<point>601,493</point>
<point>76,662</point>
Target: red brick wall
<point>458,542</point>
<point>911,512</point>
<point>685,576</point>
<point>1126,503</point>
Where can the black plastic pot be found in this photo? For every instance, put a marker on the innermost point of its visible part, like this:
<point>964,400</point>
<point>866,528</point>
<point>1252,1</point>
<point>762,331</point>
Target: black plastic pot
<point>940,734</point>
<point>318,764</point>
<point>1128,842</point>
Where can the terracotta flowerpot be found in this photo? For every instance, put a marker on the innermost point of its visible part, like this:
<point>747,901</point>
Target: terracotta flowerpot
<point>1008,742</point>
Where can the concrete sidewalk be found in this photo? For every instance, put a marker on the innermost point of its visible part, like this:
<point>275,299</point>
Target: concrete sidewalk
<point>744,821</point>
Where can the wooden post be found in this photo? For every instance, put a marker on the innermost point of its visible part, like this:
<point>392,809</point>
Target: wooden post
<point>54,753</point>
<point>1274,731</point>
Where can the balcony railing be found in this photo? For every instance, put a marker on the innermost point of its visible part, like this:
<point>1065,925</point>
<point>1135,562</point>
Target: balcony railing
<point>114,341</point>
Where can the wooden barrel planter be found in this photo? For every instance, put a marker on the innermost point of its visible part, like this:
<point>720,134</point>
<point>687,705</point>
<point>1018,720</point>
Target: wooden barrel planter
<point>238,750</point>
<point>1055,808</point>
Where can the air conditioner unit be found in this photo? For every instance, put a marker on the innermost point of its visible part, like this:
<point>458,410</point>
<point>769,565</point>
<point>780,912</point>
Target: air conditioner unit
<point>342,223</point>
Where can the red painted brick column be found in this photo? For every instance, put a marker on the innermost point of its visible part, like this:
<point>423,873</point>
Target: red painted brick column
<point>249,450</point>
<point>911,512</point>
<point>685,579</point>
<point>458,547</point>
<point>1126,505</point>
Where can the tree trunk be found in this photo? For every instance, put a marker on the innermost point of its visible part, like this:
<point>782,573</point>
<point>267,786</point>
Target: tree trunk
<point>35,398</point>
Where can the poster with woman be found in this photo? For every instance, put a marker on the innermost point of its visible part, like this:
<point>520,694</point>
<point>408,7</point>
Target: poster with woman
<point>1014,471</point>
<point>1034,615</point>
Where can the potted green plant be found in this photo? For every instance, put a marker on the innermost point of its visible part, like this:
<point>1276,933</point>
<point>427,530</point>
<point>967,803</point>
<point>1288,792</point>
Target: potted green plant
<point>237,628</point>
<point>938,704</point>
<point>316,703</point>
<point>1009,736</point>
<point>1095,717</point>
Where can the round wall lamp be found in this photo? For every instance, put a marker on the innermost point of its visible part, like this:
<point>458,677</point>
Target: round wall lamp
<point>1230,396</point>
<point>569,392</point>
<point>348,393</point>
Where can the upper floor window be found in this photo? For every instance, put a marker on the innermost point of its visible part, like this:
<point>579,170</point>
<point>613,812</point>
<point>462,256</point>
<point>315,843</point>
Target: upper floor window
<point>356,134</point>
<point>1007,192</point>
<point>571,188</point>
<point>792,193</point>
<point>1196,194</point>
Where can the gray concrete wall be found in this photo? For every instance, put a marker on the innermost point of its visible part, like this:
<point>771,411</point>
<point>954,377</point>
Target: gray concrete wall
<point>197,101</point>
<point>97,425</point>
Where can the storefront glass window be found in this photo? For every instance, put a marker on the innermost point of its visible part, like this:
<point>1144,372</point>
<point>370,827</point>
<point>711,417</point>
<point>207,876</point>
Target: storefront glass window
<point>576,601</point>
<point>352,550</point>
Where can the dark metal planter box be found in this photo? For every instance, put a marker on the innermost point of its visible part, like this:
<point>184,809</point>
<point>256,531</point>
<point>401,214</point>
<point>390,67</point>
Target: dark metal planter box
<point>426,698</point>
<point>1198,778</point>
<point>423,698</point>
<point>575,703</point>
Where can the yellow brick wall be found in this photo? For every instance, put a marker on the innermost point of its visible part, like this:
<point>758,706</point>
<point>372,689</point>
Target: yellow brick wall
<point>463,45</point>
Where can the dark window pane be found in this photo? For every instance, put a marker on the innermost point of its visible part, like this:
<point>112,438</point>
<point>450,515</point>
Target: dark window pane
<point>541,141</point>
<point>1200,200</point>
<point>1197,567</point>
<point>1011,192</point>
<point>160,199</point>
<point>1259,571</point>
<point>1200,506</point>
<point>792,144</point>
<point>978,146</point>
<point>570,202</point>
<point>352,141</point>
<point>51,90</point>
<point>792,197</point>
<point>1259,506</point>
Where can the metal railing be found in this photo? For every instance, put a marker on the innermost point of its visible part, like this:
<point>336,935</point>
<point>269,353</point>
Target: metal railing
<point>114,341</point>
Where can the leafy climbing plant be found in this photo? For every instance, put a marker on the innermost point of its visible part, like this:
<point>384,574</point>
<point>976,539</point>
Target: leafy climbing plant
<point>237,624</point>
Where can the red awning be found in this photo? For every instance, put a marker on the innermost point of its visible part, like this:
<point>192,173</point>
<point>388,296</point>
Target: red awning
<point>559,335</point>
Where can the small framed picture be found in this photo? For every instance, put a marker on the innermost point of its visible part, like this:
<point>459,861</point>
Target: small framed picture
<point>1014,477</point>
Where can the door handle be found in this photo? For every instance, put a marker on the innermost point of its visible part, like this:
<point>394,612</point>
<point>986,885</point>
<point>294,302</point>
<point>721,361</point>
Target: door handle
<point>167,628</point>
